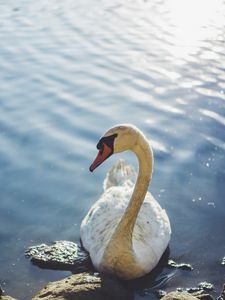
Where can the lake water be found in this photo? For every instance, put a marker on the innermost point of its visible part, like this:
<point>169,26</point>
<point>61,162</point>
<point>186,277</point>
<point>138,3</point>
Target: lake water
<point>72,69</point>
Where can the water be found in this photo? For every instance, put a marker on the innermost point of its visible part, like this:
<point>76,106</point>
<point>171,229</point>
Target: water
<point>69,71</point>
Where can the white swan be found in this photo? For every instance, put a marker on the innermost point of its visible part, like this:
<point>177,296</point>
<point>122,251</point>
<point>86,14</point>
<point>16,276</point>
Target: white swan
<point>125,231</point>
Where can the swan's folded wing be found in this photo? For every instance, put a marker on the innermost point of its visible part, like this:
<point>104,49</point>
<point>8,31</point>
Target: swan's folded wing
<point>151,232</point>
<point>120,174</point>
<point>100,222</point>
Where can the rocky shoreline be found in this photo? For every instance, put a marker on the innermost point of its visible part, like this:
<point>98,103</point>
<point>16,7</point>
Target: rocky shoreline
<point>89,285</point>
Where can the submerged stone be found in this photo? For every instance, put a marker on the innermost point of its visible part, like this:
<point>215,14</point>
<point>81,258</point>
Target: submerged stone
<point>183,266</point>
<point>206,286</point>
<point>62,255</point>
<point>160,293</point>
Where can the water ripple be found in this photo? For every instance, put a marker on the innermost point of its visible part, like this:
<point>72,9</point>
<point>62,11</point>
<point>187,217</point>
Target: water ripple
<point>213,115</point>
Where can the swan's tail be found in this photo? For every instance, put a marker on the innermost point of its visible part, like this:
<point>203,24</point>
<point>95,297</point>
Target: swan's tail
<point>120,174</point>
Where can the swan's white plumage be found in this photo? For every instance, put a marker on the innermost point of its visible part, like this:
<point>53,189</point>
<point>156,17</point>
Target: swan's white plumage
<point>152,228</point>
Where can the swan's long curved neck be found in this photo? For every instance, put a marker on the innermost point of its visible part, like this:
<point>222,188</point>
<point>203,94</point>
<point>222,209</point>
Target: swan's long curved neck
<point>120,244</point>
<point>145,159</point>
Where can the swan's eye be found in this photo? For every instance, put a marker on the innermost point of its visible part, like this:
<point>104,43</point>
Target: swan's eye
<point>108,140</point>
<point>100,145</point>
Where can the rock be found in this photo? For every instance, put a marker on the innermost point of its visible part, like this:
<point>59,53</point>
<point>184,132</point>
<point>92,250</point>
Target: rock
<point>84,286</point>
<point>183,266</point>
<point>160,293</point>
<point>61,255</point>
<point>202,296</point>
<point>223,261</point>
<point>222,295</point>
<point>179,296</point>
<point>200,291</point>
<point>206,286</point>
<point>6,298</point>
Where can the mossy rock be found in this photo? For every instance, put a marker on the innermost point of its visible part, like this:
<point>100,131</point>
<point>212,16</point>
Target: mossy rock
<point>84,286</point>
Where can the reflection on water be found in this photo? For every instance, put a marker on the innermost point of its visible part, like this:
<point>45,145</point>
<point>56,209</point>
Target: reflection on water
<point>193,24</point>
<point>70,70</point>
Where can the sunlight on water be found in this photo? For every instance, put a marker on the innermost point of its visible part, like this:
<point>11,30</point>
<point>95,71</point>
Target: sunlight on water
<point>193,23</point>
<point>214,116</point>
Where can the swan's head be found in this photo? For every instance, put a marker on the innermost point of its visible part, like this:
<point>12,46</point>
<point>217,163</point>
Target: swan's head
<point>117,139</point>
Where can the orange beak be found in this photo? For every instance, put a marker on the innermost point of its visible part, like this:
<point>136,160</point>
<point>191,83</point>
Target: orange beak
<point>103,154</point>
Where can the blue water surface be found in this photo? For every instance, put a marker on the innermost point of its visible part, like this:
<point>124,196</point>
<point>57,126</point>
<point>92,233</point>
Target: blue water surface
<point>69,70</point>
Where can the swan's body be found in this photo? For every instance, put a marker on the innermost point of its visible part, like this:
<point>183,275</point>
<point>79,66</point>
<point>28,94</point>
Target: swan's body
<point>126,231</point>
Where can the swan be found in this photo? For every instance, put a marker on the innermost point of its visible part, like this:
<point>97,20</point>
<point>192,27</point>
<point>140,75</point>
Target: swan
<point>125,231</point>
